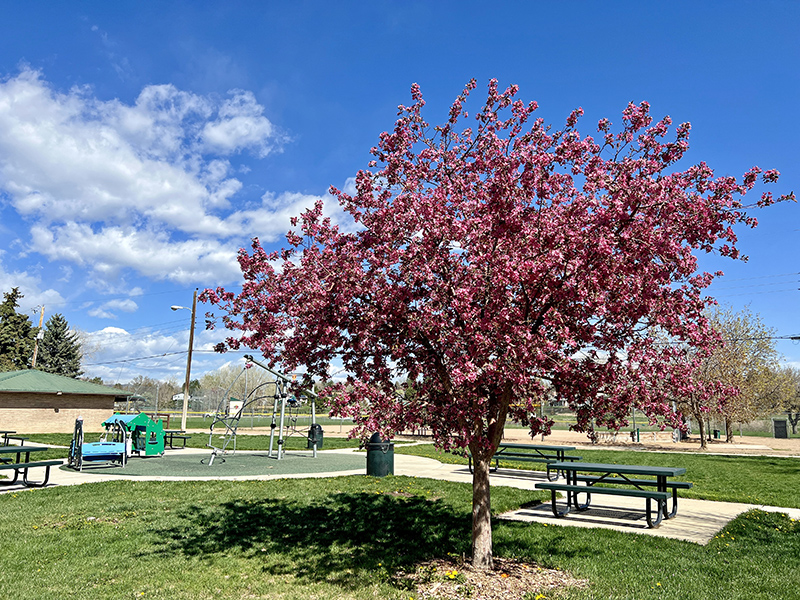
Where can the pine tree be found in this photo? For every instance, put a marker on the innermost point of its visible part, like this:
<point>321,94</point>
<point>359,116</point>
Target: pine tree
<point>60,349</point>
<point>17,334</point>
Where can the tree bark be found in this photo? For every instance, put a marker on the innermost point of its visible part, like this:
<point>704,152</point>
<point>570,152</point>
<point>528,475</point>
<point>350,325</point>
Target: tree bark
<point>793,419</point>
<point>481,514</point>
<point>728,431</point>
<point>703,442</point>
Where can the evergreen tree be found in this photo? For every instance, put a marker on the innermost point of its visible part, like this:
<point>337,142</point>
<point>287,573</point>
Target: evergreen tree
<point>17,334</point>
<point>60,349</point>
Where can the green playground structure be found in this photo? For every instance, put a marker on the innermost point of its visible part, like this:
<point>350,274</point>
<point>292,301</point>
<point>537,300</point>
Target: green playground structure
<point>124,436</point>
<point>145,434</point>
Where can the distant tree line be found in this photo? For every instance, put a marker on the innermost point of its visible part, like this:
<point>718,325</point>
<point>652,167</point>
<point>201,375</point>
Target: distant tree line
<point>746,372</point>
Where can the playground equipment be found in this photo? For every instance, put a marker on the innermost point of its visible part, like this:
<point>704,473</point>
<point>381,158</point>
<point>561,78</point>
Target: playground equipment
<point>124,435</point>
<point>146,435</point>
<point>229,414</point>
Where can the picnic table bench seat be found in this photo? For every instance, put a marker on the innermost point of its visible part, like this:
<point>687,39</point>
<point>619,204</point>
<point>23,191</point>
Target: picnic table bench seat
<point>171,436</point>
<point>648,495</point>
<point>24,466</point>
<point>673,485</point>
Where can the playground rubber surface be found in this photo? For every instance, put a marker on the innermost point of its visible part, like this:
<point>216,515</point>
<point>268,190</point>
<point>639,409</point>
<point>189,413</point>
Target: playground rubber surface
<point>240,464</point>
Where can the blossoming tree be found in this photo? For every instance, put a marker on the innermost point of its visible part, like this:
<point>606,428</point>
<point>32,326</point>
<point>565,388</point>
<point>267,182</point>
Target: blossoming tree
<point>492,266</point>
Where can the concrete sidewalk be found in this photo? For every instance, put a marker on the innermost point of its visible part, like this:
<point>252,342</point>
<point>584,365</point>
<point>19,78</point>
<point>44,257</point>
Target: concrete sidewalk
<point>697,520</point>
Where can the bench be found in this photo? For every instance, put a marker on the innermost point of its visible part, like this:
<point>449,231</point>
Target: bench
<point>24,466</point>
<point>673,485</point>
<point>170,437</point>
<point>573,491</point>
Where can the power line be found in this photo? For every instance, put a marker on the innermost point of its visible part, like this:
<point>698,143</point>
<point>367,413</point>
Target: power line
<point>128,360</point>
<point>758,277</point>
<point>152,356</point>
<point>714,294</point>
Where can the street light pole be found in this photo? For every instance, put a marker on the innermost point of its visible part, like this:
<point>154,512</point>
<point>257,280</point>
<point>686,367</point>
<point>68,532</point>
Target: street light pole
<point>188,362</point>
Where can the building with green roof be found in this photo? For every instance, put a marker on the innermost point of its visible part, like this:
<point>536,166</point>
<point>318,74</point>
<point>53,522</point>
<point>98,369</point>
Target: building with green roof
<point>33,401</point>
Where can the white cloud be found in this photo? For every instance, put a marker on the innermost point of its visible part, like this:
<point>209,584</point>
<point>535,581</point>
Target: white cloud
<point>240,124</point>
<point>30,286</point>
<point>99,313</point>
<point>105,311</point>
<point>147,186</point>
<point>152,254</point>
<point>113,191</point>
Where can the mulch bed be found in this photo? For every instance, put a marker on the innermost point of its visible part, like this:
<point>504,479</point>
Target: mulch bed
<point>509,580</point>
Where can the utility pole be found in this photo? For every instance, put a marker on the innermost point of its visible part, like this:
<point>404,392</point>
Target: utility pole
<point>39,336</point>
<point>188,361</point>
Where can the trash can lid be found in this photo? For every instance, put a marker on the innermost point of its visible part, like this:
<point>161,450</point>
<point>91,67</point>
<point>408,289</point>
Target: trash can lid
<point>376,438</point>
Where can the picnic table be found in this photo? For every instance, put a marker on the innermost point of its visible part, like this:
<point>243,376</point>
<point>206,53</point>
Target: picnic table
<point>170,435</point>
<point>11,457</point>
<point>5,433</point>
<point>531,453</point>
<point>618,480</point>
<point>19,438</point>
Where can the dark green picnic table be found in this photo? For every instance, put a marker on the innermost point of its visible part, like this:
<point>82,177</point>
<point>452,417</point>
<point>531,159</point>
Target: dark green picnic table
<point>619,480</point>
<point>530,453</point>
<point>11,458</point>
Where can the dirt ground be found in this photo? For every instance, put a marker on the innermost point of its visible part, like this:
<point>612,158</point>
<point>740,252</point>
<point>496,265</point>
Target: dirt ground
<point>741,445</point>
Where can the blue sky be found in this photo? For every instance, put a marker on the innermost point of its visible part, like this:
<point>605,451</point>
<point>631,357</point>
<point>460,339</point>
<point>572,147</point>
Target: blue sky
<point>143,143</point>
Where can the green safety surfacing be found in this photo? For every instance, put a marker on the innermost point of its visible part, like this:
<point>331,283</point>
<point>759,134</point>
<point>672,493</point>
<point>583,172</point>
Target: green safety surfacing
<point>240,464</point>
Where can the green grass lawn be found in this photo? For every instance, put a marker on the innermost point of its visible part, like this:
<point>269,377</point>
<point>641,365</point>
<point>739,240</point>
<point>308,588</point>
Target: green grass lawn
<point>345,538</point>
<point>749,479</point>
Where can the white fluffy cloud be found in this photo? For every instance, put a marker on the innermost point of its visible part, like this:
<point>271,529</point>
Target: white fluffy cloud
<point>146,187</point>
<point>108,309</point>
<point>31,287</point>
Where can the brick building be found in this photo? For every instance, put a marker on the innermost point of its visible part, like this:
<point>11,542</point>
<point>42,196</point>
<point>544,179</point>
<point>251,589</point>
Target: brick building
<point>32,401</point>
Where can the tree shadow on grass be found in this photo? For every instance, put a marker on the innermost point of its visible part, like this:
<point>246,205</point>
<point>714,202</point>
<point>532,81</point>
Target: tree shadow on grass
<point>335,539</point>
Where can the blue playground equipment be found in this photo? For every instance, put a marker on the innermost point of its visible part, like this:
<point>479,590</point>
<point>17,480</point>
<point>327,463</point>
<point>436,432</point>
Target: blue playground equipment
<point>124,435</point>
<point>110,450</point>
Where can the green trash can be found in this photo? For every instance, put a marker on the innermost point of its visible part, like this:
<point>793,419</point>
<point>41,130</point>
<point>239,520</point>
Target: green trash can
<point>315,434</point>
<point>717,434</point>
<point>380,457</point>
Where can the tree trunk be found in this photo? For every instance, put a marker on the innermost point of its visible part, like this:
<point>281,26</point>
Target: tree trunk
<point>702,425</point>
<point>728,431</point>
<point>481,514</point>
<point>793,420</point>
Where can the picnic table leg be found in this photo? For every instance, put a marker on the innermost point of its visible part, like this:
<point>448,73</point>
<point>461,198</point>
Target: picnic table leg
<point>556,512</point>
<point>662,487</point>
<point>40,484</point>
<point>674,511</point>
<point>662,510</point>
<point>588,500</point>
